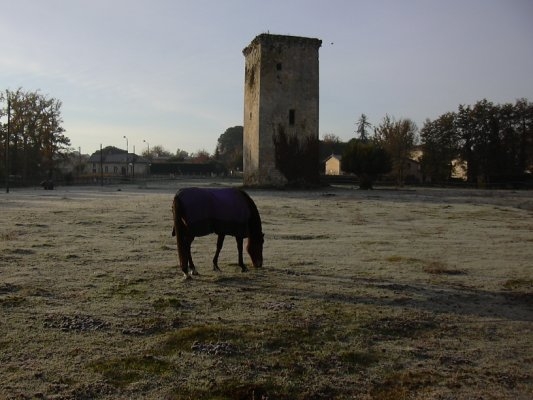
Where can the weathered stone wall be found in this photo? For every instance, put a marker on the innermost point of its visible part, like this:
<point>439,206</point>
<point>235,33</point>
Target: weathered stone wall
<point>281,104</point>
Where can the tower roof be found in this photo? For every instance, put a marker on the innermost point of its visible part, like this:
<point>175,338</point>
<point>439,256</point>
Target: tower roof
<point>267,38</point>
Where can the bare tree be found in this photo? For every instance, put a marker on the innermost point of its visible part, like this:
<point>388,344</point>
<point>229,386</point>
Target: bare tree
<point>398,138</point>
<point>201,156</point>
<point>331,138</point>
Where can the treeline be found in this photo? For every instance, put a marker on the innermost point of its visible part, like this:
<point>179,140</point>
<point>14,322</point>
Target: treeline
<point>493,142</point>
<point>33,138</point>
<point>487,144</point>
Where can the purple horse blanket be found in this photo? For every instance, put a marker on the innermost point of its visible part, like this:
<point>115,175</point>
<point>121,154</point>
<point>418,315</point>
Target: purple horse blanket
<point>221,211</point>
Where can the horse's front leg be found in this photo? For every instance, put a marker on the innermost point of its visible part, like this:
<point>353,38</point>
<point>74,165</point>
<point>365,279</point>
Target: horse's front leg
<point>239,248</point>
<point>220,242</point>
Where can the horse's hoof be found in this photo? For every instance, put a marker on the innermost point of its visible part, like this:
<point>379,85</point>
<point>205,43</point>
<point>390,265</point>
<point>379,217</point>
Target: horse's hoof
<point>244,269</point>
<point>186,278</point>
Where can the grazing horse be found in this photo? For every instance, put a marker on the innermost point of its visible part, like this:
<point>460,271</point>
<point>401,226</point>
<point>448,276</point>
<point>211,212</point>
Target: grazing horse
<point>228,211</point>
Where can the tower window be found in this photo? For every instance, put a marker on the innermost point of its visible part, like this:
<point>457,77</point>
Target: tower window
<point>291,117</point>
<point>278,66</point>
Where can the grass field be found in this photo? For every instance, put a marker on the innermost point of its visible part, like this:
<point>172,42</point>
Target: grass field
<point>385,294</point>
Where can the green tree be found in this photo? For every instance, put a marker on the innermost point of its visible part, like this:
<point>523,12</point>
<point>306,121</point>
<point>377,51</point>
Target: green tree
<point>522,135</point>
<point>37,138</point>
<point>366,159</point>
<point>495,141</point>
<point>441,145</point>
<point>363,126</point>
<point>111,150</point>
<point>181,155</point>
<point>498,141</point>
<point>486,143</point>
<point>229,148</point>
<point>479,131</point>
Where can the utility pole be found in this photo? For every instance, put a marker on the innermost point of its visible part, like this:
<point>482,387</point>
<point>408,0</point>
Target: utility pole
<point>79,165</point>
<point>101,166</point>
<point>7,139</point>
<point>127,167</point>
<point>133,165</point>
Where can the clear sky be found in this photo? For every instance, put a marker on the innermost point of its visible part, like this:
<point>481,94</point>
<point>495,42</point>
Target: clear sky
<point>171,72</point>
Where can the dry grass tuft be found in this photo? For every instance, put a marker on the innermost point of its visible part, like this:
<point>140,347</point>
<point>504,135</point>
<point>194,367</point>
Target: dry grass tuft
<point>522,284</point>
<point>121,372</point>
<point>439,268</point>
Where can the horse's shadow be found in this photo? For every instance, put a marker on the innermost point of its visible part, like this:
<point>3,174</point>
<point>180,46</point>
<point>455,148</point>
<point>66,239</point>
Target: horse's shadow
<point>432,298</point>
<point>465,301</point>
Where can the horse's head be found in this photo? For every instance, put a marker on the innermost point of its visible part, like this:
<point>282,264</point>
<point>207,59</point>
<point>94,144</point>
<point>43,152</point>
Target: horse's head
<point>255,249</point>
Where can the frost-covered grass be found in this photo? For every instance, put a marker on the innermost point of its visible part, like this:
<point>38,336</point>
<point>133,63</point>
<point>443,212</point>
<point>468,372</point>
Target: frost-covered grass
<point>387,294</point>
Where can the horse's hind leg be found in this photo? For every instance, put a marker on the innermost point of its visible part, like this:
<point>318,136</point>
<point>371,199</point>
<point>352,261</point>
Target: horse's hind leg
<point>192,268</point>
<point>220,242</point>
<point>184,250</point>
<point>239,249</point>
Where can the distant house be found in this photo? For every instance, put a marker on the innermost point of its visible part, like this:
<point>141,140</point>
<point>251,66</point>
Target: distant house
<point>413,171</point>
<point>459,169</point>
<point>417,153</point>
<point>333,165</point>
<point>119,164</point>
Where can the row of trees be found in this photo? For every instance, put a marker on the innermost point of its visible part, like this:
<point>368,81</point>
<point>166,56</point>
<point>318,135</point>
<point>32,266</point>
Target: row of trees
<point>227,156</point>
<point>158,152</point>
<point>495,142</point>
<point>228,151</point>
<point>32,135</point>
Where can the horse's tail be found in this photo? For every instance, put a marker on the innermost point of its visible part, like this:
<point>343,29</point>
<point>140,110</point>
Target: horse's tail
<point>179,230</point>
<point>179,224</point>
<point>176,213</point>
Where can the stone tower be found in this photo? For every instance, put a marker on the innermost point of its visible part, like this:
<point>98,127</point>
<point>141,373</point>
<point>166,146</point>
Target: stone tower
<point>281,111</point>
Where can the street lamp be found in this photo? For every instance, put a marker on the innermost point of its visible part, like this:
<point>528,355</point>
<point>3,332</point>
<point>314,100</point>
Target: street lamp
<point>148,144</point>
